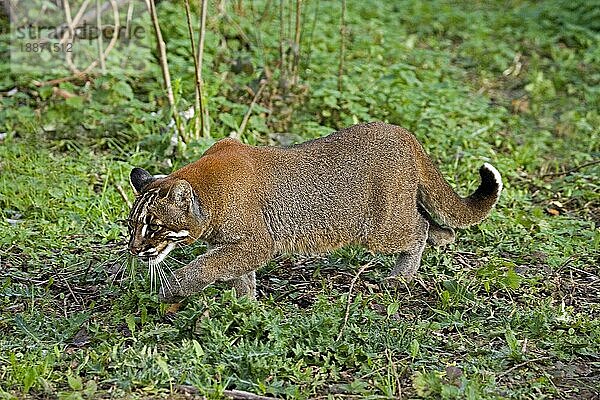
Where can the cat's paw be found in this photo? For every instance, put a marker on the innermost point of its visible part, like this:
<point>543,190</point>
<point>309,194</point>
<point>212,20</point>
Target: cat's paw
<point>396,283</point>
<point>170,294</point>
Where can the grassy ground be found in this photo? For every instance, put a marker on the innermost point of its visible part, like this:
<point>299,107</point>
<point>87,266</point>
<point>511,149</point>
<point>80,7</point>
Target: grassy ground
<point>511,310</point>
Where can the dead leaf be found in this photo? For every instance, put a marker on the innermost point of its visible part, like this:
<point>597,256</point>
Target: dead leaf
<point>81,338</point>
<point>453,375</point>
<point>520,106</point>
<point>63,93</point>
<point>173,308</point>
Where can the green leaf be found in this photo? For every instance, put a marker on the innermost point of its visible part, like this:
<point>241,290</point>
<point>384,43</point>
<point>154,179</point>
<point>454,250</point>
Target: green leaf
<point>30,379</point>
<point>414,348</point>
<point>130,321</point>
<point>229,121</point>
<point>392,308</point>
<point>330,101</point>
<point>75,382</point>
<point>45,92</point>
<point>123,89</point>
<point>513,343</point>
<point>90,388</point>
<point>163,365</point>
<point>512,280</point>
<point>75,102</point>
<point>197,348</point>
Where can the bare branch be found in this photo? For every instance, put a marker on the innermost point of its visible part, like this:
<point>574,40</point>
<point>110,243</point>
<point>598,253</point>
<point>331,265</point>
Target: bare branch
<point>100,45</point>
<point>281,40</point>
<point>162,53</point>
<point>124,195</point>
<point>296,49</point>
<point>203,110</point>
<point>342,46</point>
<point>229,393</point>
<point>164,66</point>
<point>240,131</point>
<point>570,171</point>
<point>198,104</point>
<point>349,300</point>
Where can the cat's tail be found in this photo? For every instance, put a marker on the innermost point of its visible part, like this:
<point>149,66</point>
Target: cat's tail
<point>440,200</point>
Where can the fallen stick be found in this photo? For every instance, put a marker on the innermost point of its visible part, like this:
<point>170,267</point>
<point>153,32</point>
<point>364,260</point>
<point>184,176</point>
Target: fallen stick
<point>349,300</point>
<point>124,195</point>
<point>570,171</point>
<point>241,395</point>
<point>517,366</point>
<point>249,112</point>
<point>230,393</point>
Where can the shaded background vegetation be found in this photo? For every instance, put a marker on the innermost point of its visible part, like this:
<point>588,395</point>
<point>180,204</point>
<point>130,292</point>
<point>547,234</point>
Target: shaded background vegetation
<point>509,310</point>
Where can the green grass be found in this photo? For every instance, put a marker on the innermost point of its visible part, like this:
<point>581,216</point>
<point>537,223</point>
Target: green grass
<point>510,310</point>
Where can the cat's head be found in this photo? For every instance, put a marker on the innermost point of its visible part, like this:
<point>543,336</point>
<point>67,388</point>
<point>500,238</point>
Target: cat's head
<point>165,213</point>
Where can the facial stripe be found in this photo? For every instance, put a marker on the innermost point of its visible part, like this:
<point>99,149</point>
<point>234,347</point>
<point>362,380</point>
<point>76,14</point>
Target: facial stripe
<point>180,234</point>
<point>149,252</point>
<point>140,208</point>
<point>140,201</point>
<point>156,242</point>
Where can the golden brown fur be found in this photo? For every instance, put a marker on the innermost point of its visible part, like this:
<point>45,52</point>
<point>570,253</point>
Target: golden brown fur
<point>370,185</point>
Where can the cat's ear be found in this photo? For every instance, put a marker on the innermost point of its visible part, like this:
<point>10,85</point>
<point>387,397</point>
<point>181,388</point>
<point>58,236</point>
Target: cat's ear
<point>181,192</point>
<point>139,178</point>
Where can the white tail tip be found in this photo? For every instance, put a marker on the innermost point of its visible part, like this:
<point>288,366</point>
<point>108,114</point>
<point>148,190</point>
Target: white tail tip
<point>497,176</point>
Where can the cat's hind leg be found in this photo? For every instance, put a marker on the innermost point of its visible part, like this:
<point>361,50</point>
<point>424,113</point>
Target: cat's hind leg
<point>408,261</point>
<point>437,235</point>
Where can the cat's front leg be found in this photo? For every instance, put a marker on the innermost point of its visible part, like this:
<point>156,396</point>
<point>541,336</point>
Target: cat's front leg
<point>221,263</point>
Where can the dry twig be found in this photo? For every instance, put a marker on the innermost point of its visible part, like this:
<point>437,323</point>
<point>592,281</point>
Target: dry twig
<point>164,65</point>
<point>282,39</point>
<point>342,46</point>
<point>296,49</point>
<point>202,35</point>
<point>100,44</point>
<point>524,363</point>
<point>124,195</point>
<point>231,393</point>
<point>162,54</point>
<point>58,81</point>
<point>570,171</point>
<point>241,395</point>
<point>349,300</point>
<point>104,54</point>
<point>198,104</point>
<point>240,131</point>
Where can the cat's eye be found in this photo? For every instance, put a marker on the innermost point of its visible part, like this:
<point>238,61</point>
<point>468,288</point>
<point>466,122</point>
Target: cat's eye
<point>154,228</point>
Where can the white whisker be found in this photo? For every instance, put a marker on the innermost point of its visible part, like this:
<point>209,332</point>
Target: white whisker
<point>164,280</point>
<point>151,268</point>
<point>173,275</point>
<point>176,260</point>
<point>110,259</point>
<point>133,262</point>
<point>120,262</point>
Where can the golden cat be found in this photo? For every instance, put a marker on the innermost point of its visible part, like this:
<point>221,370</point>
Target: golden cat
<point>371,185</point>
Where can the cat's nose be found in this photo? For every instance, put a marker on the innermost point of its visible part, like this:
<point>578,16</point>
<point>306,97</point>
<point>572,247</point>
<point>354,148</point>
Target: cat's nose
<point>135,246</point>
<point>134,250</point>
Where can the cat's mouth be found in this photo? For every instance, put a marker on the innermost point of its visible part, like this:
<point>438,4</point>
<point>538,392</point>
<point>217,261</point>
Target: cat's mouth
<point>158,256</point>
<point>159,272</point>
<point>147,254</point>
